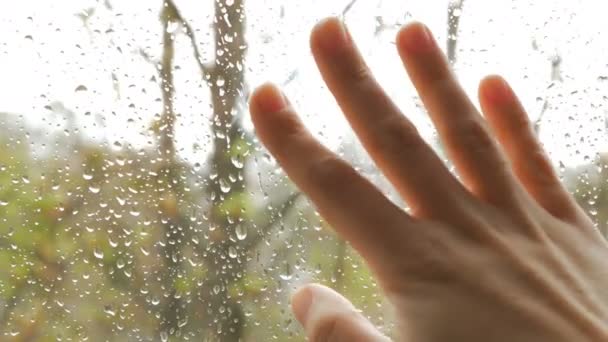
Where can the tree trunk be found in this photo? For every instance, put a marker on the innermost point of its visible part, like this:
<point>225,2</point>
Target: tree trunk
<point>226,259</point>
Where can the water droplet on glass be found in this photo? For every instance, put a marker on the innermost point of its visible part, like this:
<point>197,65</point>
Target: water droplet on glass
<point>109,310</point>
<point>241,232</point>
<point>286,274</point>
<point>237,162</point>
<point>224,186</point>
<point>232,253</point>
<point>98,253</point>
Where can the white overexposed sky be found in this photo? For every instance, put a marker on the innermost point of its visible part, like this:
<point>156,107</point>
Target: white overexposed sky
<point>46,54</point>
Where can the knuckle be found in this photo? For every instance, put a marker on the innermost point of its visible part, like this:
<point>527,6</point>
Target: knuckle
<point>396,132</point>
<point>293,138</point>
<point>431,257</point>
<point>331,172</point>
<point>543,170</point>
<point>443,85</point>
<point>521,123</point>
<point>360,73</point>
<point>475,134</point>
<point>359,76</point>
<point>291,125</point>
<point>476,138</point>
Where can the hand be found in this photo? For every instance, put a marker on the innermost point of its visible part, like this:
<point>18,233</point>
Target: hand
<point>503,255</point>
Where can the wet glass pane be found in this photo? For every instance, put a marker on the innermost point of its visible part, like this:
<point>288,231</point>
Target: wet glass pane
<point>137,204</point>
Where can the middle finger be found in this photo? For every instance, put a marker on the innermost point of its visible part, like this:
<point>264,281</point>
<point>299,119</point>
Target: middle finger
<point>477,157</point>
<point>392,140</point>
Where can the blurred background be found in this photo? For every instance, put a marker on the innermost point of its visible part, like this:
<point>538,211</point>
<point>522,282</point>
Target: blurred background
<point>136,203</point>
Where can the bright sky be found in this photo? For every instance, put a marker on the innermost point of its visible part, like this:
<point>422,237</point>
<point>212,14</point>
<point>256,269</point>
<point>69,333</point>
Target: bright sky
<point>46,54</point>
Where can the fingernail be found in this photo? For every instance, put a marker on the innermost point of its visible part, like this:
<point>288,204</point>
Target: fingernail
<point>301,302</point>
<point>332,34</point>
<point>419,38</point>
<point>270,99</point>
<point>499,92</point>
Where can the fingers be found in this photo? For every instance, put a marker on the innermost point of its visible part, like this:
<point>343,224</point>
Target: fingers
<point>328,317</point>
<point>475,154</point>
<point>512,127</point>
<point>349,202</point>
<point>392,141</point>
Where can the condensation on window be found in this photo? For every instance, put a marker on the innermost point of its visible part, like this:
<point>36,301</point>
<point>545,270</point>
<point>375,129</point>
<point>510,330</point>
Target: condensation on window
<point>137,204</point>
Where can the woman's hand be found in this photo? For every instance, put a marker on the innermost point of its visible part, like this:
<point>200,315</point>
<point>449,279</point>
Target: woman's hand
<point>503,255</point>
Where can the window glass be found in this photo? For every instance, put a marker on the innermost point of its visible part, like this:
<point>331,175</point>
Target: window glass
<point>137,204</point>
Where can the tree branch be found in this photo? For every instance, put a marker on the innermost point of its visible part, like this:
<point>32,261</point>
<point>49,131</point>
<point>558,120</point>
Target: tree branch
<point>177,16</point>
<point>348,7</point>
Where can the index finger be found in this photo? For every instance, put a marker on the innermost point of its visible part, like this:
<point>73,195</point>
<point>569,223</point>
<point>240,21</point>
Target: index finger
<point>351,204</point>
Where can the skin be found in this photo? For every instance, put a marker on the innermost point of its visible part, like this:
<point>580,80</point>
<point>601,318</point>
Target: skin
<point>503,254</point>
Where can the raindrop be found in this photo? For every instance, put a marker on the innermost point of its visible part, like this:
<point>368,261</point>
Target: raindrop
<point>268,158</point>
<point>237,162</point>
<point>286,274</point>
<point>224,186</point>
<point>241,232</point>
<point>112,243</point>
<point>98,253</point>
<point>232,253</point>
<point>183,322</point>
<point>81,88</point>
<point>109,310</point>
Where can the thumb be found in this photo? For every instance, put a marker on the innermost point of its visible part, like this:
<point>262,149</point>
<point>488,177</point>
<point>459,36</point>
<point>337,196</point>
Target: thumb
<point>329,317</point>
